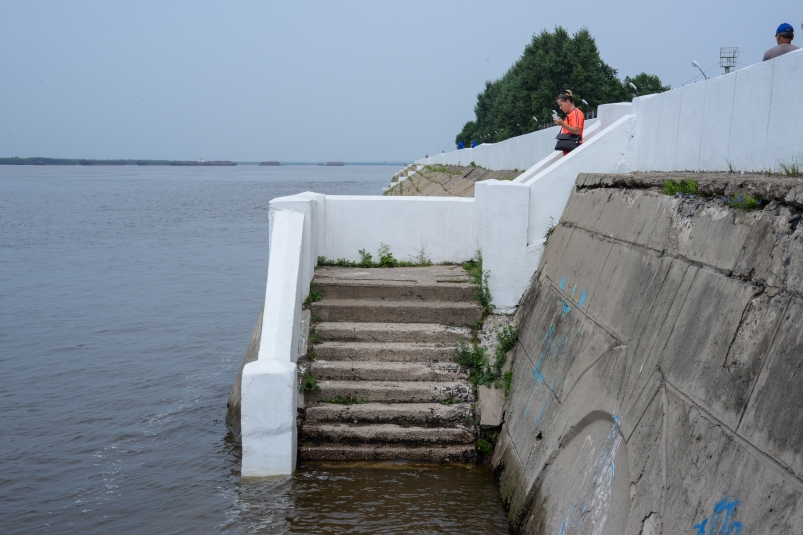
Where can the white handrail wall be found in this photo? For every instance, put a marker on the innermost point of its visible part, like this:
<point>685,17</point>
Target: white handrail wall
<point>269,392</point>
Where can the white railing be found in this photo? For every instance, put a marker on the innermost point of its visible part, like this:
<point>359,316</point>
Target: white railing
<point>752,118</point>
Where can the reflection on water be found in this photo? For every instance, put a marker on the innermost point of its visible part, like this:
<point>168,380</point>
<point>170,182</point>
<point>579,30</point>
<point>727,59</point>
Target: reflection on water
<point>383,498</point>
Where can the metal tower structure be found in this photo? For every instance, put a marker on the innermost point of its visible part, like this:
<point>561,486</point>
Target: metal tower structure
<point>727,57</point>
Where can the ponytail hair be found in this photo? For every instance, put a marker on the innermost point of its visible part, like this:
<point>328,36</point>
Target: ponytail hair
<point>566,95</point>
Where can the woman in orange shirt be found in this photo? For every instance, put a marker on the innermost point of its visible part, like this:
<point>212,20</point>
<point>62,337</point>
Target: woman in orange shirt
<point>574,117</point>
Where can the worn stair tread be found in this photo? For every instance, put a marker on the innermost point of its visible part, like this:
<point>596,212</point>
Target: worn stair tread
<point>459,313</point>
<point>379,351</point>
<point>463,453</point>
<point>386,371</point>
<point>392,332</point>
<point>408,275</point>
<point>392,391</point>
<point>386,434</point>
<point>397,290</point>
<point>432,414</point>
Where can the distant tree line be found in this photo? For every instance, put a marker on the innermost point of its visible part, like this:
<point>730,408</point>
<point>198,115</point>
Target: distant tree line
<point>522,99</point>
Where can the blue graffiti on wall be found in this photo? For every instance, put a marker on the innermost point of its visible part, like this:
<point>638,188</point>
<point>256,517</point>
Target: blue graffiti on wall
<point>722,518</point>
<point>550,362</point>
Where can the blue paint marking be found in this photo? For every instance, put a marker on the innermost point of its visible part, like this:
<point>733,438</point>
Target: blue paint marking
<point>700,527</point>
<point>722,517</point>
<point>562,283</point>
<point>582,299</point>
<point>566,307</point>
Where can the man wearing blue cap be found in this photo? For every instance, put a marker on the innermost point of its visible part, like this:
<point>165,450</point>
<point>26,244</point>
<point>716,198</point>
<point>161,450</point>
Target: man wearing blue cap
<point>783,37</point>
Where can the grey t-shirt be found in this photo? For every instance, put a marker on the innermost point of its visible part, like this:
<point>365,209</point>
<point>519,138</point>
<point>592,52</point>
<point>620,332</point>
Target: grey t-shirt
<point>779,50</point>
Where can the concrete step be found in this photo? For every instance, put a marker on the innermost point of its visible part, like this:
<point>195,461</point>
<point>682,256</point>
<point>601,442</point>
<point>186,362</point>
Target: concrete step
<point>420,414</point>
<point>343,433</point>
<point>431,333</point>
<point>462,453</point>
<point>392,391</point>
<point>431,283</point>
<point>398,291</point>
<point>349,370</point>
<point>391,352</point>
<point>463,314</point>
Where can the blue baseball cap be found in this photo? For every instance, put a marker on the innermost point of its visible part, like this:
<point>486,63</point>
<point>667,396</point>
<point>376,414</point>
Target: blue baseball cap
<point>785,28</point>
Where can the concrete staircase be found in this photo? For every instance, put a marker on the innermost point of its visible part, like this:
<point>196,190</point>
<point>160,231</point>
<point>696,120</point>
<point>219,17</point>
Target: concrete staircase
<point>385,343</point>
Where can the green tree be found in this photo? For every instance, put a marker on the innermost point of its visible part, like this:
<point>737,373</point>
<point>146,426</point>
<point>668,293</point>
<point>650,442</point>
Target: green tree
<point>550,63</point>
<point>647,84</point>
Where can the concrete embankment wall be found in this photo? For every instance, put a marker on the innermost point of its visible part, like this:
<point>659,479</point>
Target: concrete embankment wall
<point>658,382</point>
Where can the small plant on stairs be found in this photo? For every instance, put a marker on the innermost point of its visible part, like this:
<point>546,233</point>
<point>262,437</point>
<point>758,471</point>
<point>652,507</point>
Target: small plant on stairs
<point>307,383</point>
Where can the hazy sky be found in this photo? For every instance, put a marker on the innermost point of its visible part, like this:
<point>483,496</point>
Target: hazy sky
<point>308,81</point>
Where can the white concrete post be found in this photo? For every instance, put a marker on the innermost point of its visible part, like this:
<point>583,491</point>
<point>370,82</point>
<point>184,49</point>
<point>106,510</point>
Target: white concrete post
<point>269,391</point>
<point>505,208</point>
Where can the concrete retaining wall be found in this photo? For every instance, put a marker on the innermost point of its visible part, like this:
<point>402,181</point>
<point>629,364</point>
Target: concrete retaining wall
<point>658,380</point>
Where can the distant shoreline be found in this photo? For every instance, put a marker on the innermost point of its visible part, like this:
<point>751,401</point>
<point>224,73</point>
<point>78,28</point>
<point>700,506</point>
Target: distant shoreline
<point>188,163</point>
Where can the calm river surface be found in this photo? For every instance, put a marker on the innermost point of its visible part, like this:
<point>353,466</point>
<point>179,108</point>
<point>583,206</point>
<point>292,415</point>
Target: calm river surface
<point>127,298</point>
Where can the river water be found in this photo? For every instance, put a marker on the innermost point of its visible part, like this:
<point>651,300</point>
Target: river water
<point>127,298</point>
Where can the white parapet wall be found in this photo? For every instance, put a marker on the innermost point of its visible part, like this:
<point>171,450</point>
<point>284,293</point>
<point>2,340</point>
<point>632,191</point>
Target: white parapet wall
<point>749,120</point>
<point>520,152</point>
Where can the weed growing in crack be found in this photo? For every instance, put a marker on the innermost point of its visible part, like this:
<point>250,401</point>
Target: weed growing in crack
<point>308,383</point>
<point>348,400</point>
<point>449,400</point>
<point>549,230</point>
<point>688,185</point>
<point>484,447</point>
<point>386,259</point>
<point>736,198</point>
<point>479,277</point>
<point>475,359</point>
<point>791,167</point>
<point>507,378</point>
<point>314,294</point>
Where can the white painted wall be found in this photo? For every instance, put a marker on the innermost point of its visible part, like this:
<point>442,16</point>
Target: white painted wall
<point>520,152</point>
<point>608,152</point>
<point>752,118</point>
<point>439,226</point>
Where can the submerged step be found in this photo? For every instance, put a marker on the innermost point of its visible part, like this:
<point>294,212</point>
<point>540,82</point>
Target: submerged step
<point>422,414</point>
<point>390,352</point>
<point>350,370</point>
<point>463,453</point>
<point>392,391</point>
<point>462,314</point>
<point>392,332</point>
<point>385,434</point>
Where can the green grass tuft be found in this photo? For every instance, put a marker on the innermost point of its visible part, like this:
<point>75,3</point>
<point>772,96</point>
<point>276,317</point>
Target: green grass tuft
<point>791,167</point>
<point>484,447</point>
<point>308,383</point>
<point>313,295</point>
<point>688,185</point>
<point>349,400</point>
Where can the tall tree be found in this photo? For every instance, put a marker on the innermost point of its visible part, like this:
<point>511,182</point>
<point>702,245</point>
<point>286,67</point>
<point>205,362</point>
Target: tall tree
<point>525,95</point>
